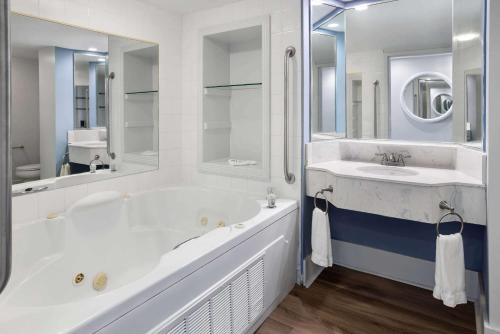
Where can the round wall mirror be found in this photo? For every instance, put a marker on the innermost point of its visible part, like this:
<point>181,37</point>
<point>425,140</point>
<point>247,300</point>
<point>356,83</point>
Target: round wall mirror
<point>442,103</point>
<point>426,97</point>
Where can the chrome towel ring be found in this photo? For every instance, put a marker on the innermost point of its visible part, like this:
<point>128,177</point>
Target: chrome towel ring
<point>443,205</point>
<point>321,192</point>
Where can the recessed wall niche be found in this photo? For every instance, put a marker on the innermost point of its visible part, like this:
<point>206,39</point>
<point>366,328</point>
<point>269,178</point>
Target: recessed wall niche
<point>234,129</point>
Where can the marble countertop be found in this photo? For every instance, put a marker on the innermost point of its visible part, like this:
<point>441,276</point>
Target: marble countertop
<point>88,144</point>
<point>419,176</point>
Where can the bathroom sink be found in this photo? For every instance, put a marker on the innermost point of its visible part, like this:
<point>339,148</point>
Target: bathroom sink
<point>387,170</point>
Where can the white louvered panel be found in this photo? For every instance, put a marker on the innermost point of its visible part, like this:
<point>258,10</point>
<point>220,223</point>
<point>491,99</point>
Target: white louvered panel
<point>240,303</point>
<point>179,329</point>
<point>221,311</point>
<point>228,310</point>
<point>198,322</point>
<point>256,293</point>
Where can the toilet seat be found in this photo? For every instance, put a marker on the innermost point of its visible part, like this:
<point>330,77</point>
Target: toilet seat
<point>28,171</point>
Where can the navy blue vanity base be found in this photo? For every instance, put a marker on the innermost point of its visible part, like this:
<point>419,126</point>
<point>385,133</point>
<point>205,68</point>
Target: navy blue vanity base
<point>395,235</point>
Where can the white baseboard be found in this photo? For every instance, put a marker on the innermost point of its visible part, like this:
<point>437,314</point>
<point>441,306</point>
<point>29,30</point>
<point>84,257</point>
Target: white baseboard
<point>311,271</point>
<point>389,265</point>
<point>490,330</point>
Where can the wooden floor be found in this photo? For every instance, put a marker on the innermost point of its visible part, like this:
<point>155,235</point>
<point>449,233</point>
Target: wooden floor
<point>344,301</point>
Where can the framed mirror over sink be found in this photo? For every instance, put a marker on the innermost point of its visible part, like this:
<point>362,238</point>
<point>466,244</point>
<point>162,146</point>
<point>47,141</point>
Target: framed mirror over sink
<point>396,74</point>
<point>84,105</point>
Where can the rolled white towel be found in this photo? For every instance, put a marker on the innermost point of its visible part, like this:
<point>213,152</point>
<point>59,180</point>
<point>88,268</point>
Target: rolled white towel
<point>450,270</point>
<point>237,162</point>
<point>65,170</point>
<point>321,239</point>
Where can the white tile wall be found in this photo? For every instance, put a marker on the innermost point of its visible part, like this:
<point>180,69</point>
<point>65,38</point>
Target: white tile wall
<point>285,30</point>
<point>136,20</point>
<point>179,75</point>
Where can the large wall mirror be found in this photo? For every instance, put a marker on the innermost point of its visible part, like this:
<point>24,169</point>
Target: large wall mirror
<point>384,70</point>
<point>84,105</point>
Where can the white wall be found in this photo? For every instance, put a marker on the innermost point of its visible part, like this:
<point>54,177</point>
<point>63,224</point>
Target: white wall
<point>246,105</point>
<point>25,115</point>
<point>47,115</point>
<point>136,20</point>
<point>372,66</point>
<point>81,74</point>
<point>402,126</point>
<point>493,149</point>
<point>285,30</point>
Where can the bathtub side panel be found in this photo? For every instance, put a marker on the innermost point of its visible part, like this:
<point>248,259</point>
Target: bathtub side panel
<point>277,243</point>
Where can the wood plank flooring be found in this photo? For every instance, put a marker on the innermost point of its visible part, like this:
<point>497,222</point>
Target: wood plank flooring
<point>343,301</point>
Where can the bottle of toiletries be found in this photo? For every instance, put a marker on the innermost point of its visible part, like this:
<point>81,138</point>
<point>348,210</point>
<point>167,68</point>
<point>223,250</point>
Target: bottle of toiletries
<point>271,198</point>
<point>93,167</point>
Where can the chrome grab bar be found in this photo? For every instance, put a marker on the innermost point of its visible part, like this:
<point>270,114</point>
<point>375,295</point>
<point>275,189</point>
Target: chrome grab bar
<point>289,177</point>
<point>110,77</point>
<point>5,155</point>
<point>375,114</point>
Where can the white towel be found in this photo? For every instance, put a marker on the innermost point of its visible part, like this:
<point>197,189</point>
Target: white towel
<point>321,239</point>
<point>65,170</point>
<point>237,162</point>
<point>450,270</point>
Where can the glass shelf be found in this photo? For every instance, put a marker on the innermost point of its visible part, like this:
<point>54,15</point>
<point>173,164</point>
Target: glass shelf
<point>142,92</point>
<point>236,86</point>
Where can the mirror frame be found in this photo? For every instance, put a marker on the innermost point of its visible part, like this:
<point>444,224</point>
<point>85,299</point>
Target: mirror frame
<point>407,110</point>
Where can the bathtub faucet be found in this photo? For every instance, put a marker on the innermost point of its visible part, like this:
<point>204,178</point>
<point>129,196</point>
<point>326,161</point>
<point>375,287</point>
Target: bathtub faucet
<point>93,163</point>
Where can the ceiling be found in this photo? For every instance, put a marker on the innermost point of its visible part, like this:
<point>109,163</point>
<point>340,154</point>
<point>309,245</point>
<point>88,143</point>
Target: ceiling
<point>25,43</point>
<point>402,25</point>
<point>188,6</point>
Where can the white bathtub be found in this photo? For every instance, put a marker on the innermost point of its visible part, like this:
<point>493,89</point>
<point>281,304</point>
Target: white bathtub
<point>167,254</point>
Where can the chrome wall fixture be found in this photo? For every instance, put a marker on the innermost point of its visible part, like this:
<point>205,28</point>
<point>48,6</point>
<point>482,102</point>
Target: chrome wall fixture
<point>109,78</point>
<point>5,155</point>
<point>289,177</point>
<point>375,111</point>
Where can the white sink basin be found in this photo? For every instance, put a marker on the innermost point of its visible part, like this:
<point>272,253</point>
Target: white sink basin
<point>83,151</point>
<point>387,170</point>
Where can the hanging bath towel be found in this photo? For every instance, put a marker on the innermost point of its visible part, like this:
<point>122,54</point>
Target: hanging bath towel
<point>450,270</point>
<point>321,239</point>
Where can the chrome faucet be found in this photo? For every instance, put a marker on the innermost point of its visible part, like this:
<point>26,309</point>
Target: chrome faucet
<point>393,159</point>
<point>93,165</point>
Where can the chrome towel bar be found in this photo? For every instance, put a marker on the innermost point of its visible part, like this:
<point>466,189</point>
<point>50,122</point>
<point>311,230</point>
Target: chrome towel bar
<point>443,205</point>
<point>289,177</point>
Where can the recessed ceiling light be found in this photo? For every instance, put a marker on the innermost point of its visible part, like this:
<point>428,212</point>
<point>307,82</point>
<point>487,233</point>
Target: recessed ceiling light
<point>316,3</point>
<point>92,49</point>
<point>361,7</point>
<point>333,25</point>
<point>101,59</point>
<point>466,37</point>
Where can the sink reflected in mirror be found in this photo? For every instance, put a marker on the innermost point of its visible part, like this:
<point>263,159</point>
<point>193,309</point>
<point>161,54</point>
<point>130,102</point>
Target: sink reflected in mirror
<point>387,170</point>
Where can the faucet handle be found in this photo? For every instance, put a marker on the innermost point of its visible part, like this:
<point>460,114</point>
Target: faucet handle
<point>385,157</point>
